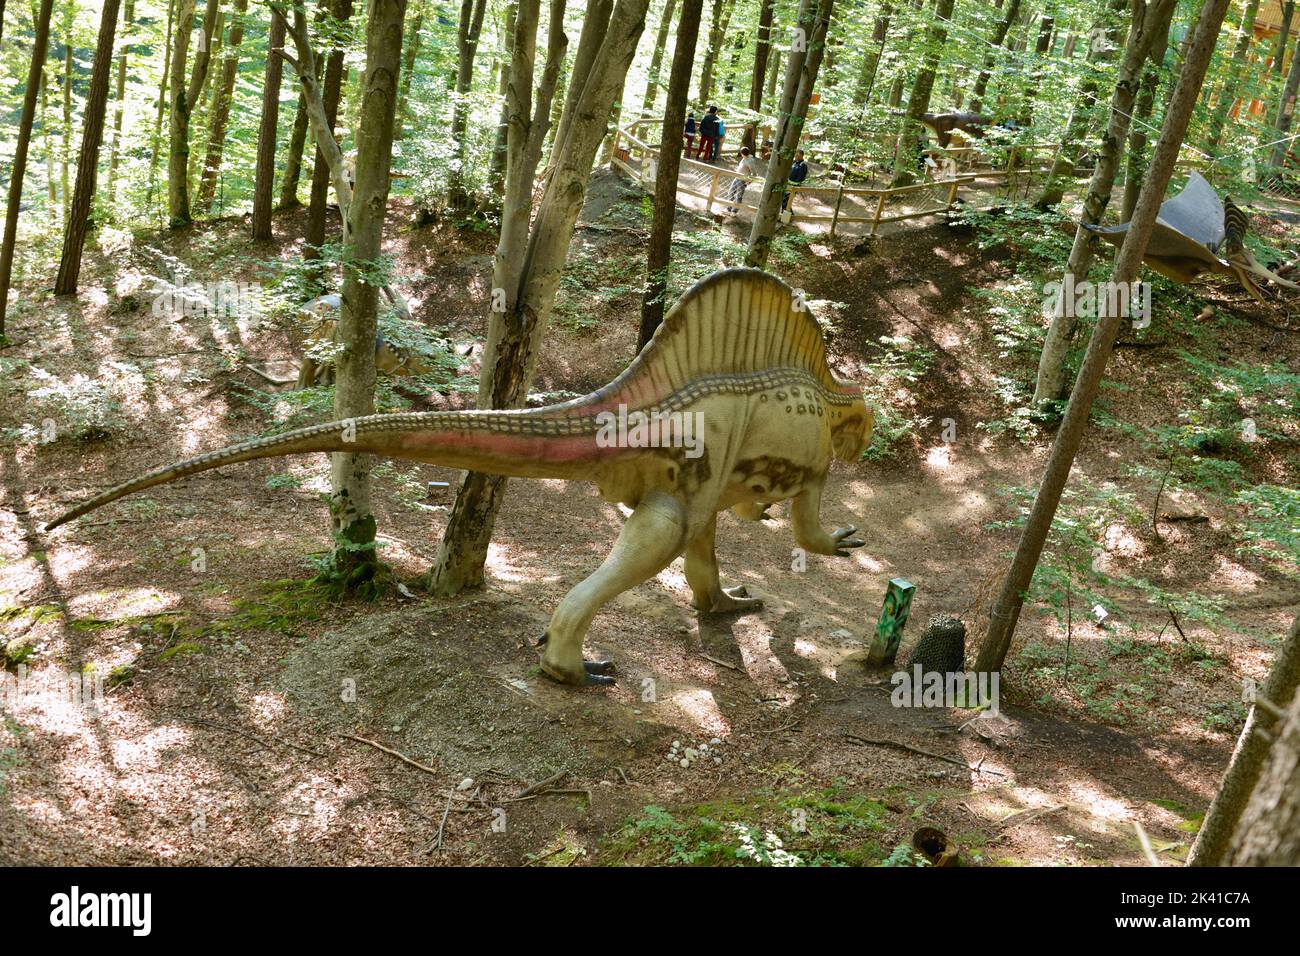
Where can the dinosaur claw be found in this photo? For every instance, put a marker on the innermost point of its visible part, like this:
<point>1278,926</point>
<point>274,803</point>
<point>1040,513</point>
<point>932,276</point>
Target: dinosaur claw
<point>599,680</point>
<point>598,667</point>
<point>541,641</point>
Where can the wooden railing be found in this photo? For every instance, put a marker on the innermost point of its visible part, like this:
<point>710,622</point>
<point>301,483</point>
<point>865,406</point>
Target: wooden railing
<point>846,204</point>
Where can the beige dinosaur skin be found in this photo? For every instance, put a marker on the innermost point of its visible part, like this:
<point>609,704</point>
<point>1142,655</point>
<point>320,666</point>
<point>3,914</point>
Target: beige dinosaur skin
<point>737,354</point>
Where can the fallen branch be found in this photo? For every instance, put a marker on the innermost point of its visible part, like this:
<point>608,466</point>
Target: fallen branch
<point>400,756</point>
<point>897,745</point>
<point>541,784</point>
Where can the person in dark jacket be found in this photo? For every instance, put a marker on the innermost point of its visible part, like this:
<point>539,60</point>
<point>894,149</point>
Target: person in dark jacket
<point>708,134</point>
<point>798,173</point>
<point>689,133</point>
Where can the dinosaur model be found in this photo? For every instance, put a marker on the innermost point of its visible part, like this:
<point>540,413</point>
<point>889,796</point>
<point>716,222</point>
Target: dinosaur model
<point>730,405</point>
<point>1196,233</point>
<point>321,314</point>
<point>943,124</point>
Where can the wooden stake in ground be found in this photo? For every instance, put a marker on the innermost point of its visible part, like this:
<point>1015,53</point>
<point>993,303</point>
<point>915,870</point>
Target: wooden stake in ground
<point>1213,842</point>
<point>1006,609</point>
<point>40,46</point>
<point>670,164</point>
<point>806,51</point>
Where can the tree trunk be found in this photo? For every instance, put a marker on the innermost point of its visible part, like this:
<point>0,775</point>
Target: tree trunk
<point>657,57</point>
<point>408,71</point>
<point>202,115</point>
<point>1286,112</point>
<point>670,162</point>
<point>1214,841</point>
<point>293,158</point>
<point>119,99</point>
<point>471,25</point>
<point>1228,95</point>
<point>351,517</point>
<point>871,57</point>
<point>1142,113</point>
<point>1006,609</point>
<point>78,222</point>
<point>761,50</point>
<point>40,46</point>
<point>1279,55</point>
<point>264,177</point>
<point>162,106</point>
<point>530,262</point>
<point>717,33</point>
<point>183,99</point>
<point>1149,25</point>
<point>812,24</point>
<point>320,173</point>
<point>919,102</point>
<point>1269,834</point>
<point>497,172</point>
<point>65,139</point>
<point>999,36</point>
<point>596,20</point>
<point>221,108</point>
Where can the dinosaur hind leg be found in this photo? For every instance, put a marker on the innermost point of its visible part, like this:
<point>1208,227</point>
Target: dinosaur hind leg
<point>653,536</point>
<point>702,576</point>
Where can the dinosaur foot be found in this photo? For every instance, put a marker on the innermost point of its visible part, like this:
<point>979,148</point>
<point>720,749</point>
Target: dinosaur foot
<point>729,600</point>
<point>592,674</point>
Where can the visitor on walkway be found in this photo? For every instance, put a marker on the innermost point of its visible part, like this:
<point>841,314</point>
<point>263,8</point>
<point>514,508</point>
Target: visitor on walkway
<point>748,166</point>
<point>708,133</point>
<point>717,143</point>
<point>689,133</point>
<point>798,173</point>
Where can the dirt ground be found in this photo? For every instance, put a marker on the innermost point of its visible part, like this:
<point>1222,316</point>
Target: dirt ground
<point>250,720</point>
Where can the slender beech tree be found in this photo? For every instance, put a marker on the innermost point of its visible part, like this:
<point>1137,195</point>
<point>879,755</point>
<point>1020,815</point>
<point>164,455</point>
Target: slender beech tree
<point>1142,113</point>
<point>718,21</point>
<point>1000,35</point>
<point>1269,832</point>
<point>221,107</point>
<point>1005,611</point>
<point>264,174</point>
<point>412,56</point>
<point>119,98</point>
<point>871,55</point>
<point>78,220</point>
<point>918,102</point>
<point>1214,839</point>
<point>497,170</point>
<point>670,163</point>
<point>657,57</point>
<point>156,140</point>
<point>1150,23</point>
<point>806,51</point>
<point>1228,95</point>
<point>1284,31</point>
<point>530,260</point>
<point>183,98</point>
<point>351,515</point>
<point>40,47</point>
<point>467,37</point>
<point>317,211</point>
<point>1286,113</point>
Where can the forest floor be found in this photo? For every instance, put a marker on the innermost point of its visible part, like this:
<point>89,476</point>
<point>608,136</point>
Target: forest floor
<point>233,684</point>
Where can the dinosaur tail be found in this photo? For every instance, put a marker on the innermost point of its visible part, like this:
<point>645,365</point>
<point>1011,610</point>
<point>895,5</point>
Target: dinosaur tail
<point>526,443</point>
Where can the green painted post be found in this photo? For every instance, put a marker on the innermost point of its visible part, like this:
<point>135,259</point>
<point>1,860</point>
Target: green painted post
<point>893,618</point>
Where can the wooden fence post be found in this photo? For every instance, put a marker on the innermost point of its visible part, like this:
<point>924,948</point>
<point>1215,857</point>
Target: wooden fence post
<point>880,208</point>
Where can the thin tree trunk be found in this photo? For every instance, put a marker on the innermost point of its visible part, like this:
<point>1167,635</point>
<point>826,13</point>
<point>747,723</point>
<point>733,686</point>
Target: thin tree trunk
<point>351,515</point>
<point>202,116</point>
<point>761,51</point>
<point>40,46</point>
<point>51,185</point>
<point>1269,834</point>
<point>657,56</point>
<point>497,171</point>
<point>65,138</point>
<point>1005,611</point>
<point>1214,840</point>
<point>717,33</point>
<point>78,222</point>
<point>408,71</point>
<point>471,25</point>
<point>530,262</point>
<point>670,162</point>
<point>162,105</point>
<point>221,108</point>
<point>320,173</point>
<point>293,158</point>
<point>1142,112</point>
<point>1279,56</point>
<point>811,26</point>
<point>264,177</point>
<point>183,99</point>
<point>999,37</point>
<point>1286,113</point>
<point>1228,95</point>
<point>119,99</point>
<point>1149,24</point>
<point>871,57</point>
<point>919,102</point>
